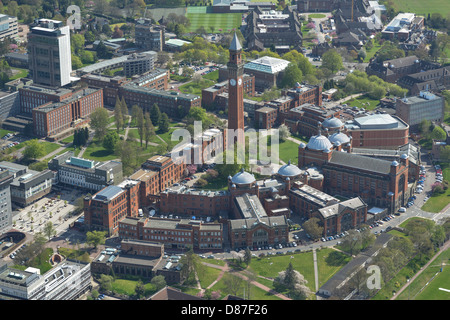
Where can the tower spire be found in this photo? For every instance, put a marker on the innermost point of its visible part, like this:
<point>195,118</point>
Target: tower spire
<point>235,44</point>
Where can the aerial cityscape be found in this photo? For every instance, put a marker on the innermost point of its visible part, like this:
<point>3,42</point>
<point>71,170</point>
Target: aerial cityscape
<point>225,150</point>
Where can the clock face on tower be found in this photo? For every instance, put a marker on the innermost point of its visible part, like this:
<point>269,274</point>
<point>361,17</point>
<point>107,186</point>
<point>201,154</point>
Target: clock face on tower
<point>233,82</point>
<point>239,81</point>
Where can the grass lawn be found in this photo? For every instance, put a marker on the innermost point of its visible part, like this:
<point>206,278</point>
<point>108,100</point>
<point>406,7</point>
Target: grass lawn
<point>40,262</point>
<point>423,7</point>
<point>288,151</point>
<point>95,151</point>
<point>196,88</point>
<point>370,53</point>
<point>438,202</point>
<point>18,73</point>
<point>270,266</point>
<point>49,147</point>
<point>207,275</point>
<point>418,290</point>
<point>256,293</point>
<point>316,16</point>
<point>222,22</point>
<point>4,132</point>
<point>329,262</point>
<point>363,102</point>
<point>214,75</point>
<point>67,140</point>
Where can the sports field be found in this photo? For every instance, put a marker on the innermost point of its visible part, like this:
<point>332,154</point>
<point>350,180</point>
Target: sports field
<point>222,22</point>
<point>429,284</point>
<point>423,7</point>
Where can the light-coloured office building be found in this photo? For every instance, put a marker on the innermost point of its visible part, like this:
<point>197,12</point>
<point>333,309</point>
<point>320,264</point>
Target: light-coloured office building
<point>66,281</point>
<point>50,60</point>
<point>5,200</point>
<point>84,173</point>
<point>8,27</point>
<point>425,106</point>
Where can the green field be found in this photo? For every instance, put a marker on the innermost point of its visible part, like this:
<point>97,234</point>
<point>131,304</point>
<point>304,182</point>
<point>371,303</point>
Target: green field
<point>222,22</point>
<point>423,7</point>
<point>364,102</point>
<point>426,285</point>
<point>438,202</point>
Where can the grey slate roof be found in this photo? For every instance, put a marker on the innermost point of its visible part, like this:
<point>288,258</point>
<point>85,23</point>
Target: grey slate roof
<point>235,44</point>
<point>337,208</point>
<point>360,162</point>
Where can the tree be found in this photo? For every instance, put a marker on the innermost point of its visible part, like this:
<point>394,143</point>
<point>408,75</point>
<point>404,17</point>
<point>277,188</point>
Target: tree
<point>247,256</point>
<point>125,111</point>
<point>155,114</point>
<point>99,122</point>
<point>95,238</point>
<point>34,150</point>
<point>87,57</point>
<point>149,130</point>
<point>284,132</point>
<point>110,141</point>
<point>158,282</point>
<point>424,127</point>
<point>164,123</point>
<point>105,282</point>
<point>139,290</point>
<point>76,62</point>
<point>292,75</point>
<point>389,51</point>
<point>294,282</point>
<point>233,284</point>
<point>332,60</point>
<point>117,32</point>
<point>312,227</point>
<point>127,155</point>
<point>438,133</point>
<point>140,124</point>
<point>49,230</point>
<point>77,42</point>
<point>118,117</point>
<point>89,36</point>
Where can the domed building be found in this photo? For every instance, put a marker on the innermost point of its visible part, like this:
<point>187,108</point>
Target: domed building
<point>242,179</point>
<point>290,171</point>
<point>319,143</point>
<point>341,141</point>
<point>333,123</point>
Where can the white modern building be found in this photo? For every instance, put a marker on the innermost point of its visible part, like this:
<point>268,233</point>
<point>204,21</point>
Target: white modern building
<point>5,200</point>
<point>66,281</point>
<point>8,27</point>
<point>50,60</point>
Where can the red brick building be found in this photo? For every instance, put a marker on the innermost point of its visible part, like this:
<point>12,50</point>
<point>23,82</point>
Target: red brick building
<point>174,233</point>
<point>193,202</point>
<point>209,95</point>
<point>105,209</point>
<point>265,117</point>
<point>378,182</point>
<point>110,86</point>
<point>52,118</point>
<point>168,172</point>
<point>378,131</point>
<point>36,95</point>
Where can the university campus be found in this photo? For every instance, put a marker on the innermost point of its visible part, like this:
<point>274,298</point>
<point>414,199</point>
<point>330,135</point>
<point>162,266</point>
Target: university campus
<point>225,150</point>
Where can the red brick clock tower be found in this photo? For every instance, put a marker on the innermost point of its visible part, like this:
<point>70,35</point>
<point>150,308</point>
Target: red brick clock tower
<point>236,90</point>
